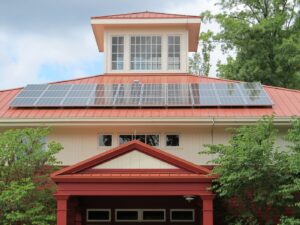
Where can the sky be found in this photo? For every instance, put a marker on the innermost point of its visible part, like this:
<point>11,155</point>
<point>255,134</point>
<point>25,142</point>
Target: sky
<point>51,40</point>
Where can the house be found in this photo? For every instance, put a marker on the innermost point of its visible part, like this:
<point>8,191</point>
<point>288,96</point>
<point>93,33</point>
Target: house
<point>132,136</point>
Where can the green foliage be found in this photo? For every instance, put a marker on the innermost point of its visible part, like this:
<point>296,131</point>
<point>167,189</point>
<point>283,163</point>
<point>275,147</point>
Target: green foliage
<point>253,171</point>
<point>291,189</point>
<point>265,37</point>
<point>289,221</point>
<point>199,63</point>
<point>25,187</point>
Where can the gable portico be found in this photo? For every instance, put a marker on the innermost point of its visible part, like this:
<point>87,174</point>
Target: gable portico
<point>82,181</point>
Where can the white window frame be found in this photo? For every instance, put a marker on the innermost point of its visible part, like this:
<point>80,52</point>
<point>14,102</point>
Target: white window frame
<point>122,210</point>
<point>111,53</point>
<point>167,146</point>
<point>153,210</point>
<point>99,210</point>
<point>159,137</point>
<point>184,37</point>
<point>180,51</point>
<point>179,210</point>
<point>118,137</point>
<point>161,53</point>
<point>140,215</point>
<point>98,140</point>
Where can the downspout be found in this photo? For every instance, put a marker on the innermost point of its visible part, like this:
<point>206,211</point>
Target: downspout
<point>212,130</point>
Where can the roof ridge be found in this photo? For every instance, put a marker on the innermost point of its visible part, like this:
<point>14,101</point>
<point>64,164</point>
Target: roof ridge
<point>134,13</point>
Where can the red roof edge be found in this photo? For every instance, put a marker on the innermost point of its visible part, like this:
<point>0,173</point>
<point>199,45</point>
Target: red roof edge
<point>171,15</point>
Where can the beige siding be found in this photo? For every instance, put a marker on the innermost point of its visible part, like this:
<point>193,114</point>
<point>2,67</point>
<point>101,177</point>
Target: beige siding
<point>135,160</point>
<point>81,143</point>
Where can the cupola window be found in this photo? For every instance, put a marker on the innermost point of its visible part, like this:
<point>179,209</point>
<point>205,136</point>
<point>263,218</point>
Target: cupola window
<point>117,53</point>
<point>145,53</point>
<point>173,52</point>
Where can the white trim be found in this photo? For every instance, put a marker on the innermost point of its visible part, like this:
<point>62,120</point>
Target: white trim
<point>146,21</point>
<point>179,210</point>
<point>147,133</point>
<point>124,121</point>
<point>99,210</point>
<point>122,210</point>
<point>140,215</point>
<point>127,34</point>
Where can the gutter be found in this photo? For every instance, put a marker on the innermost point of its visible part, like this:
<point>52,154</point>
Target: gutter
<point>125,121</point>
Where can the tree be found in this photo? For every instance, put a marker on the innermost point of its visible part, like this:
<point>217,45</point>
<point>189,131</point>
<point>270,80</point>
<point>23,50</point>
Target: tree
<point>26,192</point>
<point>252,171</point>
<point>265,36</point>
<point>291,189</point>
<point>199,63</point>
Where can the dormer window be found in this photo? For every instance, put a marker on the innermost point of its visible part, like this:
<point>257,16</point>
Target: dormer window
<point>117,62</point>
<point>145,53</point>
<point>173,52</point>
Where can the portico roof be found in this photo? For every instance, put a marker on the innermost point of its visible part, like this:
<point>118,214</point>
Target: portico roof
<point>85,172</point>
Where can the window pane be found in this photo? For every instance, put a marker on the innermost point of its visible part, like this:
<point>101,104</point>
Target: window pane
<point>105,140</point>
<point>117,53</point>
<point>127,215</point>
<point>101,215</point>
<point>144,51</point>
<point>184,215</point>
<point>174,52</point>
<point>125,138</point>
<point>154,215</point>
<point>172,140</point>
<point>141,138</point>
<point>152,139</point>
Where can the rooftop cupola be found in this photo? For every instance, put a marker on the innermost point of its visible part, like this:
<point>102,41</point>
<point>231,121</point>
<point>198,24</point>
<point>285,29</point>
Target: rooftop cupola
<point>146,42</point>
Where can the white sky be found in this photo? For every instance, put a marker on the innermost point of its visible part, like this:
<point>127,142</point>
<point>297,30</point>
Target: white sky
<point>49,40</point>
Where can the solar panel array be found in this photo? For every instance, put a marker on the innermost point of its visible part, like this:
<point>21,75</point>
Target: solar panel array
<point>137,94</point>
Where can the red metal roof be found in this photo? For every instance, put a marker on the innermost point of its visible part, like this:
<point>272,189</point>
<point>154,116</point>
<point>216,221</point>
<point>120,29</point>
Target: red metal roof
<point>145,15</point>
<point>286,102</point>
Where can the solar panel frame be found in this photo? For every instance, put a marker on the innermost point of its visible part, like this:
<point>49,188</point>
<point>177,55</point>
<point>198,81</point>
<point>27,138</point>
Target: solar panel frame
<point>138,94</point>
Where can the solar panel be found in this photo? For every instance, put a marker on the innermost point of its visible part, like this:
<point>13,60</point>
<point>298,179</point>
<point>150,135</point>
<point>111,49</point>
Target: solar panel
<point>23,102</point>
<point>154,95</point>
<point>137,94</point>
<point>179,95</point>
<point>47,102</point>
<point>229,94</point>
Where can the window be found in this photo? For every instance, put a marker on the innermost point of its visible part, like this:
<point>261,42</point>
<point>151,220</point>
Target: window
<point>127,215</point>
<point>117,53</point>
<point>154,215</point>
<point>172,140</point>
<point>150,139</point>
<point>173,52</point>
<point>125,138</point>
<point>145,53</point>
<point>182,215</point>
<point>140,215</point>
<point>105,140</point>
<point>98,215</point>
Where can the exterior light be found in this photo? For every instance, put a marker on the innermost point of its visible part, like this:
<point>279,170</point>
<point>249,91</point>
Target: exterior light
<point>189,198</point>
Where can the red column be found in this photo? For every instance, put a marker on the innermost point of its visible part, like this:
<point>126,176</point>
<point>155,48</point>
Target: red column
<point>62,209</point>
<point>207,209</point>
<point>78,217</point>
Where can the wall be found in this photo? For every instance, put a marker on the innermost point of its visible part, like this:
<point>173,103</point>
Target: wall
<point>82,142</point>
